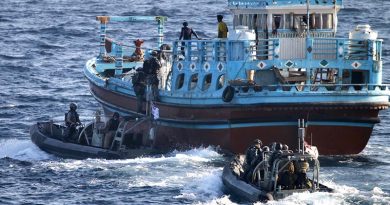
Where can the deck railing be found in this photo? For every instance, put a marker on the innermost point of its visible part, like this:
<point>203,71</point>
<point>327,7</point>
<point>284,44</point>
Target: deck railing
<point>225,50</point>
<point>276,49</point>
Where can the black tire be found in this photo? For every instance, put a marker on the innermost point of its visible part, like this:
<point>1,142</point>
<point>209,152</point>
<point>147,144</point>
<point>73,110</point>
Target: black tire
<point>228,94</point>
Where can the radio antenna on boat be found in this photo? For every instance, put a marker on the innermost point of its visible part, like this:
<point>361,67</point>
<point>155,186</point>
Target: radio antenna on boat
<point>308,17</point>
<point>301,135</point>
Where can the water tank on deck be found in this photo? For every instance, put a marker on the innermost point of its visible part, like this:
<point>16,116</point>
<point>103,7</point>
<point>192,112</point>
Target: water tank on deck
<point>363,32</point>
<point>358,46</point>
<point>239,34</point>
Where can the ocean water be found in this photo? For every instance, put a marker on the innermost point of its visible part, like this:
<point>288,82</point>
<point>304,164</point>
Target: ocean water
<point>44,46</point>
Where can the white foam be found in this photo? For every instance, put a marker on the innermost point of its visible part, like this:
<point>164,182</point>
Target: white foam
<point>377,191</point>
<point>307,198</point>
<point>7,106</point>
<point>22,150</point>
<point>379,196</point>
<point>208,152</point>
<point>203,186</point>
<point>193,155</point>
<point>224,200</point>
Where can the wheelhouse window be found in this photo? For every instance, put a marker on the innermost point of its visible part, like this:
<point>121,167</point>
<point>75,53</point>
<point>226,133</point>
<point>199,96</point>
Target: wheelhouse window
<point>327,20</point>
<point>252,21</point>
<point>288,20</point>
<point>277,22</point>
<point>316,21</point>
<point>285,21</point>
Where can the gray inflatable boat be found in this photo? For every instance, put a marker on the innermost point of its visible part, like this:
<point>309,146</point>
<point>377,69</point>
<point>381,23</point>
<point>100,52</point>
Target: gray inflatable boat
<point>49,136</point>
<point>280,173</point>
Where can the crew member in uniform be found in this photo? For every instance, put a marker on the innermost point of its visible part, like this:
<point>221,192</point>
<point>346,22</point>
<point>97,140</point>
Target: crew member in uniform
<point>110,130</point>
<point>71,121</point>
<point>253,156</point>
<point>139,86</point>
<point>151,68</point>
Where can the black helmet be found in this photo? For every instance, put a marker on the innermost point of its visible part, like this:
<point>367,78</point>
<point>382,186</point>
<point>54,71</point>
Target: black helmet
<point>73,106</point>
<point>116,114</point>
<point>154,53</point>
<point>257,141</point>
<point>185,23</point>
<point>219,16</point>
<point>278,146</point>
<point>273,145</point>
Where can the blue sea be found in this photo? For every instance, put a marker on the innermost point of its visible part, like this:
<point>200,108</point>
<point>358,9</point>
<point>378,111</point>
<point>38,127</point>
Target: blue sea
<point>44,45</point>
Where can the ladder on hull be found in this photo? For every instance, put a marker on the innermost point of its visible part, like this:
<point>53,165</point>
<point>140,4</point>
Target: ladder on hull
<point>117,143</point>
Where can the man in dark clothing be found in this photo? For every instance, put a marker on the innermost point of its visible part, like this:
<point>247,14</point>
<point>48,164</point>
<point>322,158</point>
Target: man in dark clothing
<point>152,68</point>
<point>71,122</point>
<point>185,34</point>
<point>302,182</point>
<point>276,152</point>
<point>288,177</point>
<point>110,130</point>
<point>253,156</point>
<point>138,81</point>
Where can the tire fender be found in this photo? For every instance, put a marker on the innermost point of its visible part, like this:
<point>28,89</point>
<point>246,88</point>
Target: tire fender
<point>228,94</point>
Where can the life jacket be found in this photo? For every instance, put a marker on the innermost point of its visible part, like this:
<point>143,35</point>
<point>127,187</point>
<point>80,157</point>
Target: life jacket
<point>138,78</point>
<point>113,125</point>
<point>151,66</point>
<point>71,117</point>
<point>147,67</point>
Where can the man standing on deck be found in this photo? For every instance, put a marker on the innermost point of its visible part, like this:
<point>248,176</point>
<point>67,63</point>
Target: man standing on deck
<point>71,121</point>
<point>185,34</point>
<point>222,27</point>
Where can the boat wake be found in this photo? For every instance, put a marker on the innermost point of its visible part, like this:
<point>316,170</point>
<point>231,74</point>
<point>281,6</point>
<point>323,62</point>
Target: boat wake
<point>192,176</point>
<point>23,150</point>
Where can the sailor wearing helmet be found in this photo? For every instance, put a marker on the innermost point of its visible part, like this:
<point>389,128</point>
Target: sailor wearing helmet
<point>71,121</point>
<point>152,68</point>
<point>253,156</point>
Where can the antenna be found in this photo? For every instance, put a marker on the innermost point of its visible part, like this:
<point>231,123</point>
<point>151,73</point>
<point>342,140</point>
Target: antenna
<point>308,17</point>
<point>301,135</point>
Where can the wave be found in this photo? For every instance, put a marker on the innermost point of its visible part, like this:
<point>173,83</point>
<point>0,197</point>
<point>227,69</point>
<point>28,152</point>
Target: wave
<point>46,45</point>
<point>22,150</point>
<point>156,11</point>
<point>189,172</point>
<point>14,57</point>
<point>361,161</point>
<point>15,68</point>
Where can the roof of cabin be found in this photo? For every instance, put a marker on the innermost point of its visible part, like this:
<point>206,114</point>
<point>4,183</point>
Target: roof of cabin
<point>250,4</point>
